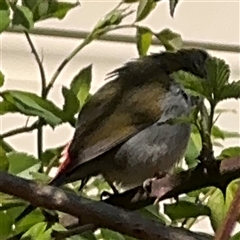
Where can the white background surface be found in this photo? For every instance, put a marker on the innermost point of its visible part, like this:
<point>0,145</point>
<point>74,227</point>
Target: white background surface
<point>216,21</point>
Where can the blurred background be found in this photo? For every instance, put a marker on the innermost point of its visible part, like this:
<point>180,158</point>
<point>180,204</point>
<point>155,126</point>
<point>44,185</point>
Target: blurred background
<point>201,21</point>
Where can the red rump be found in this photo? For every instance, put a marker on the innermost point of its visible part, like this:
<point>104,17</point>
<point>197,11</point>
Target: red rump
<point>66,160</point>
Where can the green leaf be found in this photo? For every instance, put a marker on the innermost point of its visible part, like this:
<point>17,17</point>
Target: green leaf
<point>152,212</point>
<point>81,84</point>
<point>45,9</point>
<point>144,8</point>
<point>23,16</point>
<point>32,105</point>
<point>7,107</point>
<point>30,220</point>
<point>172,41</point>
<point>71,103</point>
<point>52,153</point>
<point>218,73</point>
<point>63,8</point>
<point>230,194</point>
<point>6,225</point>
<point>235,236</point>
<point>173,4</point>
<point>5,146</point>
<point>1,74</point>
<point>225,110</point>
<point>193,150</point>
<point>4,163</point>
<point>231,90</point>
<point>184,209</point>
<point>113,18</point>
<point>108,234</point>
<point>144,40</point>
<point>4,19</point>
<point>216,204</point>
<point>222,134</point>
<point>194,85</point>
<point>36,230</point>
<point>230,152</point>
<point>21,164</point>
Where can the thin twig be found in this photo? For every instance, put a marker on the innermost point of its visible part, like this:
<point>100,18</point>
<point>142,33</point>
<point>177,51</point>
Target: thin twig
<point>43,80</point>
<point>16,131</point>
<point>39,62</point>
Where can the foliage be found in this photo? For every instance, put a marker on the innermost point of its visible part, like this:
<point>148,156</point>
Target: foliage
<point>186,211</point>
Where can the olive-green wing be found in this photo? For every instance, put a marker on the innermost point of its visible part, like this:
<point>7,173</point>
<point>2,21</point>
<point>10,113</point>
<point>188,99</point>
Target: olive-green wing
<point>106,123</point>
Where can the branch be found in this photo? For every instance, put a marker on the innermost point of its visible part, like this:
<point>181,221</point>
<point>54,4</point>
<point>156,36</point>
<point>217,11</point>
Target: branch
<point>91,212</point>
<point>40,66</point>
<point>16,131</point>
<point>170,186</point>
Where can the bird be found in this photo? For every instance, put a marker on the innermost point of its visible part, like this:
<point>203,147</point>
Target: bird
<point>117,133</point>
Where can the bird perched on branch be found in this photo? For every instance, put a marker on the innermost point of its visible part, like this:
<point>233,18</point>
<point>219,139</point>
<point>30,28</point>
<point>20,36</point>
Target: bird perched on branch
<point>117,132</point>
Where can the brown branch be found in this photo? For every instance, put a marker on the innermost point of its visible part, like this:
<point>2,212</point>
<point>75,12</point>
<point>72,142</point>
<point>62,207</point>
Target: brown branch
<point>221,174</point>
<point>91,212</point>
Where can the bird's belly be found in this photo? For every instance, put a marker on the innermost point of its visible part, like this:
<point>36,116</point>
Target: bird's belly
<point>153,150</point>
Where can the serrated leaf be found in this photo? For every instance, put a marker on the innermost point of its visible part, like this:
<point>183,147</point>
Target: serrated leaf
<point>230,152</point>
<point>23,16</point>
<point>6,225</point>
<point>21,164</point>
<point>218,73</point>
<point>184,209</point>
<point>216,204</point>
<point>231,90</point>
<point>71,103</point>
<point>4,19</point>
<point>192,84</point>
<point>173,4</point>
<point>144,40</point>
<point>172,41</point>
<point>144,8</point>
<point>81,84</point>
<point>31,104</point>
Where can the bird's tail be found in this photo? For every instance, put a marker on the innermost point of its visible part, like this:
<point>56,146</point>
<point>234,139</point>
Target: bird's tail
<point>57,181</point>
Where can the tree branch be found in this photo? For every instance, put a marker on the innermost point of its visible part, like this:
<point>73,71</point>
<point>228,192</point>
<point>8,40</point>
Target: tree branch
<point>221,174</point>
<point>91,212</point>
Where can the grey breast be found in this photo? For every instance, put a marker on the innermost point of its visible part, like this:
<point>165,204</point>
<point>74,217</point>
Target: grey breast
<point>156,148</point>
